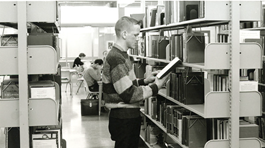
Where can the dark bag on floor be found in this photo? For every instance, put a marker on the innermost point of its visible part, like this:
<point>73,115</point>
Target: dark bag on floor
<point>89,107</point>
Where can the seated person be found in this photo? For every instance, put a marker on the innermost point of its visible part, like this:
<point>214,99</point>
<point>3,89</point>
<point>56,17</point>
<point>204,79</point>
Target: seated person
<point>78,62</point>
<point>93,74</point>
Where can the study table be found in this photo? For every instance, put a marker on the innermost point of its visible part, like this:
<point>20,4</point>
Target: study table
<point>66,75</point>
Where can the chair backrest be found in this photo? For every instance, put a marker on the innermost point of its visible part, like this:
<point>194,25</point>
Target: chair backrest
<point>65,74</point>
<point>74,77</point>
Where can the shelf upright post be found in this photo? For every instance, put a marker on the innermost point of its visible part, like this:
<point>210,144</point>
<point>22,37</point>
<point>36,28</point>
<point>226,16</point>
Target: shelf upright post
<point>23,74</point>
<point>234,73</point>
<point>142,6</point>
<point>121,11</point>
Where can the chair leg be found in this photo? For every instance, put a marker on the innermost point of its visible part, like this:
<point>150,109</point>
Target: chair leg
<point>66,87</point>
<point>79,86</point>
<point>71,89</point>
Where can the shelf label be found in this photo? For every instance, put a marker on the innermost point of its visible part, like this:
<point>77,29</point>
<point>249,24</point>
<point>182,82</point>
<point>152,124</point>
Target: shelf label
<point>244,34</point>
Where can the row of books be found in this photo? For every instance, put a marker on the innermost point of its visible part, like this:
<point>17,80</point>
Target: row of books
<point>178,11</point>
<point>191,129</point>
<point>173,12</point>
<point>189,47</point>
<point>222,38</point>
<point>219,82</point>
<point>153,135</point>
<point>246,129</point>
<point>186,87</point>
<point>261,122</point>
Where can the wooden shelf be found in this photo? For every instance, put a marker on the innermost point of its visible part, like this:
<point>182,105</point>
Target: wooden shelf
<point>42,59</point>
<point>158,124</point>
<point>216,104</point>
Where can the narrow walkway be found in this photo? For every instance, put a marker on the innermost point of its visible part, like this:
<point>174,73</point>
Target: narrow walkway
<point>83,131</point>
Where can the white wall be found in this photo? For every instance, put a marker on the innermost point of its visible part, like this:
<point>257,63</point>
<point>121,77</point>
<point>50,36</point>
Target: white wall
<point>76,40</point>
<point>88,14</point>
<point>84,39</point>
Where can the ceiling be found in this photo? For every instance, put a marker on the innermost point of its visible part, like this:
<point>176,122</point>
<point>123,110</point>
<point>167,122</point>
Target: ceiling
<point>111,3</point>
<point>87,3</point>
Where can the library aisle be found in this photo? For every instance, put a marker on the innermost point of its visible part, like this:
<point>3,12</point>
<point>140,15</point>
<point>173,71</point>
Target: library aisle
<point>83,131</point>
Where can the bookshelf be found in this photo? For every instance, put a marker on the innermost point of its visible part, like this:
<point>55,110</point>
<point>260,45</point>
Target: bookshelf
<point>24,60</point>
<point>230,56</point>
<point>47,21</point>
<point>250,57</point>
<point>158,124</point>
<point>216,104</point>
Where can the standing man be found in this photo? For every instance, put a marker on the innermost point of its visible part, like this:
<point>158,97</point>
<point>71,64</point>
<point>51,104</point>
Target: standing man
<point>122,91</point>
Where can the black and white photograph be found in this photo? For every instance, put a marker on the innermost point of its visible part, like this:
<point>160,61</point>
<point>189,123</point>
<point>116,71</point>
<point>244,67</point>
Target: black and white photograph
<point>132,74</point>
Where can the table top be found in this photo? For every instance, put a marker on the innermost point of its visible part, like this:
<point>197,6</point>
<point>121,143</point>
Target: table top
<point>68,69</point>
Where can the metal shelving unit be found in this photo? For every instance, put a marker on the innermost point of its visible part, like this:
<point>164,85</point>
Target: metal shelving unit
<point>25,60</point>
<point>231,56</point>
<point>250,54</point>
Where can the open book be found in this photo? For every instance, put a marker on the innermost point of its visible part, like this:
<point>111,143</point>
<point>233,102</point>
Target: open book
<point>168,68</point>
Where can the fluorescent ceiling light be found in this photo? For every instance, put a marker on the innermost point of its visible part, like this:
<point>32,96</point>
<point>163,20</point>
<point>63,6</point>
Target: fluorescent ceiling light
<point>124,3</point>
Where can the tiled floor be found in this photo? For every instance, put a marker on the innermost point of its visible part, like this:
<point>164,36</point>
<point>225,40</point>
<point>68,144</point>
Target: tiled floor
<point>84,131</point>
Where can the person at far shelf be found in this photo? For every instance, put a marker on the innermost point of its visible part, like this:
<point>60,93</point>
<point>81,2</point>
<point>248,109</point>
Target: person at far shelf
<point>105,52</point>
<point>78,62</point>
<point>122,91</point>
<point>93,74</point>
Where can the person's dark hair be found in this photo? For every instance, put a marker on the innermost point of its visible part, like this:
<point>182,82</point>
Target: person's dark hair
<point>98,61</point>
<point>124,23</point>
<point>82,55</point>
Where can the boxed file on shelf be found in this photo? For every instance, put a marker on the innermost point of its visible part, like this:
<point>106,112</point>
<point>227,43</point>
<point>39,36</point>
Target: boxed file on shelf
<point>190,88</point>
<point>194,131</point>
<point>43,89</point>
<point>193,47</point>
<point>9,40</point>
<point>9,88</point>
<point>45,138</point>
<point>189,10</point>
<point>248,86</point>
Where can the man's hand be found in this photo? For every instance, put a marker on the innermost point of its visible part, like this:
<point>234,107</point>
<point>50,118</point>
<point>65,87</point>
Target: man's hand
<point>151,78</point>
<point>161,82</point>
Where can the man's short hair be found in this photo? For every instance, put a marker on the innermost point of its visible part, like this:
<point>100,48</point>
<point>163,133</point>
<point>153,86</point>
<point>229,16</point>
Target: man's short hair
<point>82,55</point>
<point>98,61</point>
<point>124,23</point>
